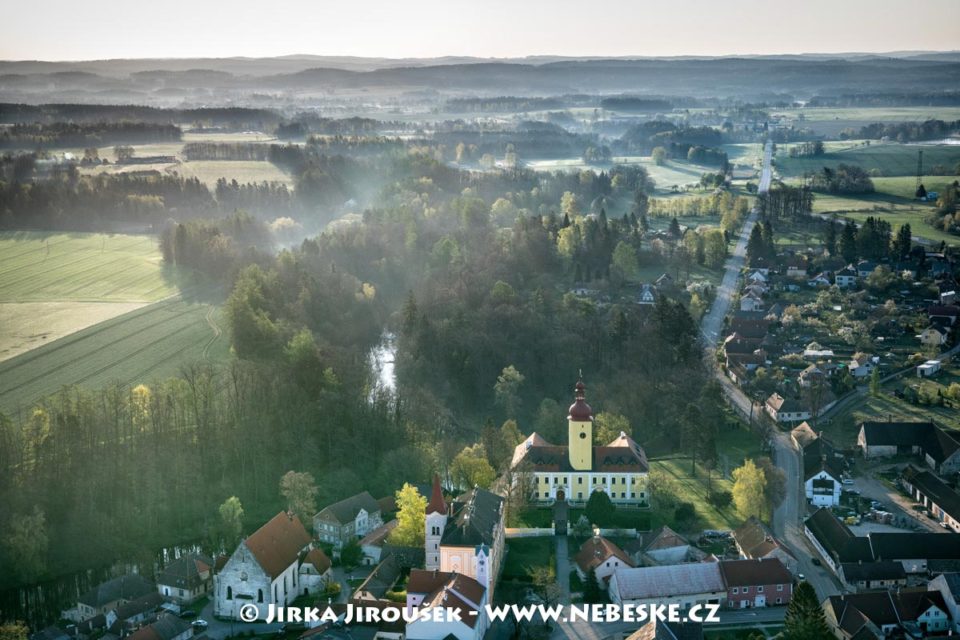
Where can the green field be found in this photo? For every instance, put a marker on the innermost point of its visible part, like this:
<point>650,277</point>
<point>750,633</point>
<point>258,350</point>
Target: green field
<point>83,267</point>
<point>673,173</point>
<point>890,159</point>
<point>137,347</point>
<point>831,121</point>
<point>525,554</point>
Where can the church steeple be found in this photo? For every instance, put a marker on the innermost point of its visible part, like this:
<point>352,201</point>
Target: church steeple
<point>434,523</point>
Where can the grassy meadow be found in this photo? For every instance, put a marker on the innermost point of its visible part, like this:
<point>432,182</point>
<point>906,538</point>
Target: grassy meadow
<point>889,159</point>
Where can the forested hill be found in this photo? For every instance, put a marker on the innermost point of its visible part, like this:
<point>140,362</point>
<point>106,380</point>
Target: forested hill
<point>741,76</point>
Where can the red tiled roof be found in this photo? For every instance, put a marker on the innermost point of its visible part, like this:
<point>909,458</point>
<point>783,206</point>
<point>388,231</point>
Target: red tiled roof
<point>277,544</point>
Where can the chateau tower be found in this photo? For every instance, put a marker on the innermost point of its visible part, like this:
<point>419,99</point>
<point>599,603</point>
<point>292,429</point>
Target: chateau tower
<point>435,523</point>
<point>580,431</point>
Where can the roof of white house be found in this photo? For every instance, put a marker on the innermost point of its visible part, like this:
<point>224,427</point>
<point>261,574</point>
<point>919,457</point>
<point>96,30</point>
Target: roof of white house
<point>672,580</point>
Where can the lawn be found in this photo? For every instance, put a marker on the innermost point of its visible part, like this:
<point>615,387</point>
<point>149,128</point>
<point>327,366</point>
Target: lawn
<point>138,347</point>
<point>673,173</point>
<point>525,554</point>
<point>694,490</point>
<point>738,444</point>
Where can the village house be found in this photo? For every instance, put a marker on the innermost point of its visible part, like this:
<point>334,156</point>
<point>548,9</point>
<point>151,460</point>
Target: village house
<point>682,584</point>
<point>945,315</point>
<point>315,573</point>
<point>822,474</point>
<point>835,543</point>
<point>812,376</point>
<point>933,336</point>
<point>756,583</point>
<point>933,493</point>
<point>862,365</point>
<point>819,280</point>
<point>865,268</point>
<point>109,595</point>
<point>559,473</point>
<point>372,544</point>
<point>347,520</point>
<point>846,278</point>
<point>802,435</point>
<point>453,591</point>
<point>661,546</point>
<point>880,614</point>
<point>796,266</point>
<point>864,576</point>
<point>186,579</point>
<point>755,541</point>
<point>601,556</point>
<point>948,584</point>
<point>928,369</point>
<point>936,447</point>
<point>465,536</point>
<point>786,410</point>
<point>647,295</point>
<point>264,569</point>
<point>167,627</point>
<point>750,301</point>
<point>133,614</point>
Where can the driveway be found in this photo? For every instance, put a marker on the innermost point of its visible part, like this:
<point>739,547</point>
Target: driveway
<point>563,567</point>
<point>894,502</point>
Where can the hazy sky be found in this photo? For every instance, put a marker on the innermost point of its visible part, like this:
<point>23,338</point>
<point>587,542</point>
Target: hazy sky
<point>78,30</point>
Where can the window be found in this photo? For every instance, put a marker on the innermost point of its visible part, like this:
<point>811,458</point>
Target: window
<point>736,590</point>
<point>779,587</point>
<point>259,595</point>
<point>579,479</point>
<point>229,593</point>
<point>760,589</point>
<point>181,592</point>
<point>623,494</point>
<point>580,495</point>
<point>779,600</point>
<point>613,481</point>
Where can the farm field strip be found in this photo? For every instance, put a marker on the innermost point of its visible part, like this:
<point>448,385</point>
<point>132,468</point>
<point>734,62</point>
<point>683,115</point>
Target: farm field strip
<point>891,159</point>
<point>83,267</point>
<point>129,348</point>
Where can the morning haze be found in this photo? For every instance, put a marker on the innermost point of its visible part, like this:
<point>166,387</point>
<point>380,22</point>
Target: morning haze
<point>494,28</point>
<point>449,304</point>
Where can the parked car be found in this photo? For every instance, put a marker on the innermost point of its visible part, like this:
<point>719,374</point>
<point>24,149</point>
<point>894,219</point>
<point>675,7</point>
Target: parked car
<point>188,614</point>
<point>199,624</point>
<point>816,562</point>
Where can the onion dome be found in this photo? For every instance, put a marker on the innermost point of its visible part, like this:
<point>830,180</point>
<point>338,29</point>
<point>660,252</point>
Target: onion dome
<point>580,411</point>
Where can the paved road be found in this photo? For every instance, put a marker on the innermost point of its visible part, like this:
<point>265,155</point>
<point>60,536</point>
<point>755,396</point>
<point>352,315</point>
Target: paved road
<point>712,322</point>
<point>563,567</point>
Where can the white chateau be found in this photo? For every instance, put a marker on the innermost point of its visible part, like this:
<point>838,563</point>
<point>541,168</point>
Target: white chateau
<point>465,536</point>
<point>559,473</point>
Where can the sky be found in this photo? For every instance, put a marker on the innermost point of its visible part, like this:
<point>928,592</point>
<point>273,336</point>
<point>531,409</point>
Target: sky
<point>72,30</point>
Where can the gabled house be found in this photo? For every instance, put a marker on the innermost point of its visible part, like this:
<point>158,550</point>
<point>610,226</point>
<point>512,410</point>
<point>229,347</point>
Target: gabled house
<point>881,614</point>
<point>796,266</point>
<point>186,579</point>
<point>802,435</point>
<point>822,474</point>
<point>846,278</point>
<point>945,314</point>
<point>314,571</point>
<point>663,545</point>
<point>347,520</point>
<point>601,556</point>
<point>751,302</point>
<point>264,569</point>
<point>647,295</point>
<point>111,594</point>
<point>933,336</point>
<point>372,544</point>
<point>786,410</point>
<point>755,541</point>
<point>167,627</point>
<point>948,584</point>
<point>756,583</point>
<point>820,280</point>
<point>133,614</point>
<point>865,268</point>
<point>455,593</point>
<point>861,365</point>
<point>811,376</point>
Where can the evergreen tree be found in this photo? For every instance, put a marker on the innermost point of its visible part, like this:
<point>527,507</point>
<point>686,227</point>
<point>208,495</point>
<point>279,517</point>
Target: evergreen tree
<point>804,619</point>
<point>755,245</point>
<point>769,245</point>
<point>848,242</point>
<point>592,593</point>
<point>674,228</point>
<point>901,246</point>
<point>600,510</point>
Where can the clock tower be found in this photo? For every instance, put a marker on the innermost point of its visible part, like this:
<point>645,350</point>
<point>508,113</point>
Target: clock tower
<point>580,431</point>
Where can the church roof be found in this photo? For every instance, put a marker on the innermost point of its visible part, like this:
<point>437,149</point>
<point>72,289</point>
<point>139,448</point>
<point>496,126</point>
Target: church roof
<point>277,544</point>
<point>476,515</point>
<point>580,410</point>
<point>437,503</point>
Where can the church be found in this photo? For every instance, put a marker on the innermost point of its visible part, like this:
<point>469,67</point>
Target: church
<point>465,536</point>
<point>573,471</point>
